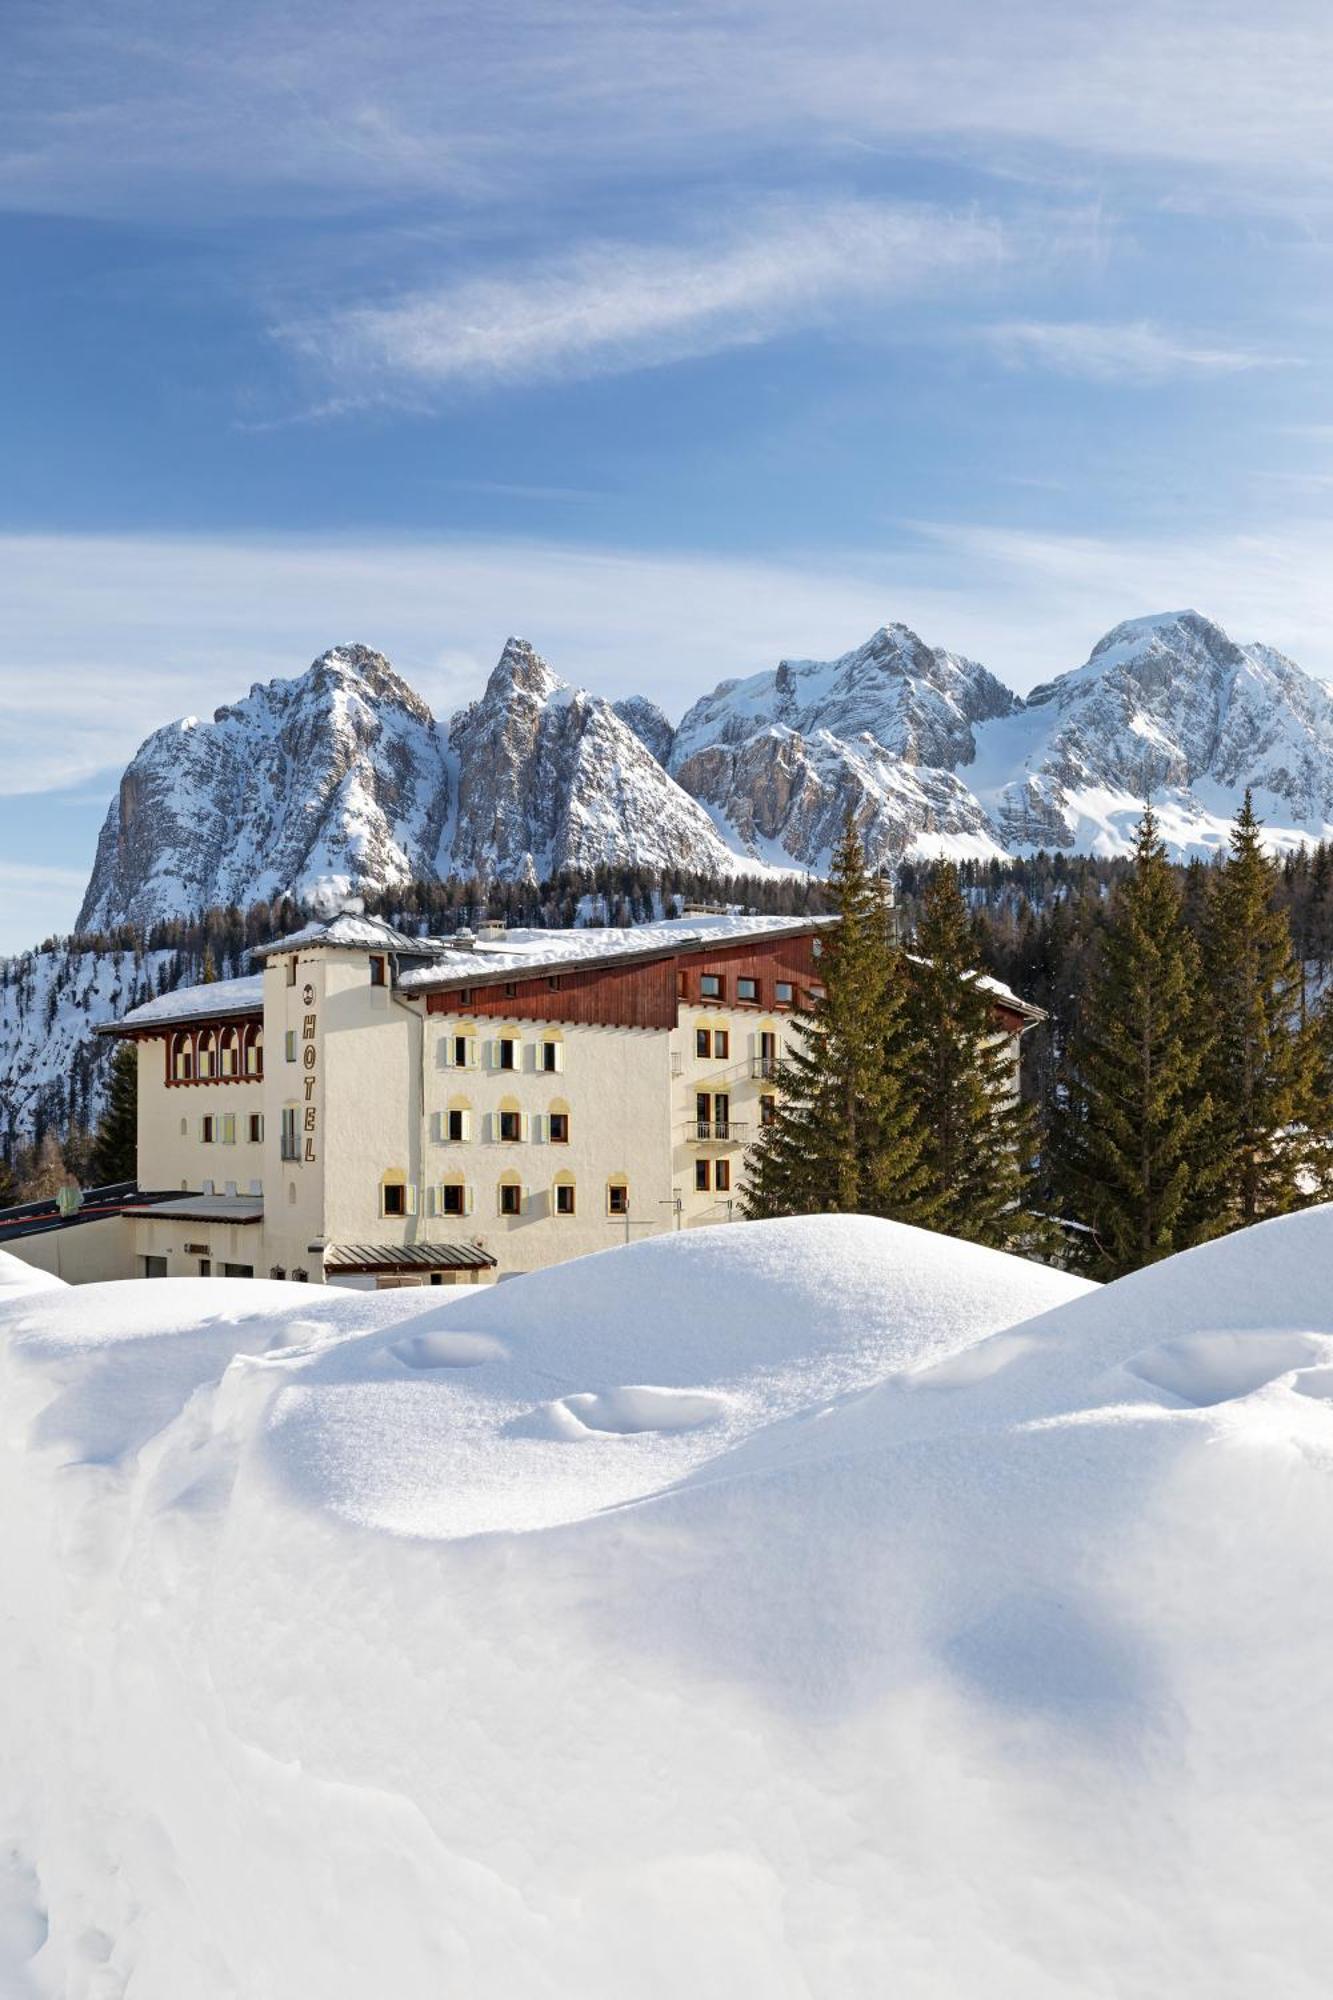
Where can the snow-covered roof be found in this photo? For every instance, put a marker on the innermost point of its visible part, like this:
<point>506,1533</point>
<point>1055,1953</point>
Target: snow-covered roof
<point>347,932</point>
<point>531,951</point>
<point>195,1003</point>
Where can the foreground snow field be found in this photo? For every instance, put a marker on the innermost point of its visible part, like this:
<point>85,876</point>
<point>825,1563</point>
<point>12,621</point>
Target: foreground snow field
<point>725,1615</point>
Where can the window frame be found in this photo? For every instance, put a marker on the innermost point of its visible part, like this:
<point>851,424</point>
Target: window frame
<point>752,997</point>
<point>711,986</point>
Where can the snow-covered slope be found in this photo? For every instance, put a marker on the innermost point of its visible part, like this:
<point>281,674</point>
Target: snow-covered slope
<point>339,774</point>
<point>343,778</point>
<point>549,777</point>
<point>722,1614</point>
<point>781,758</point>
<point>1168,705</point>
<point>50,1002</point>
<point>932,755</point>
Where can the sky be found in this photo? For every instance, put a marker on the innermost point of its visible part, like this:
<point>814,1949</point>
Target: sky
<point>672,337</point>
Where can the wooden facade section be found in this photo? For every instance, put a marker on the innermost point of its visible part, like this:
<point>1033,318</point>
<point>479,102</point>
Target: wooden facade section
<point>645,995</point>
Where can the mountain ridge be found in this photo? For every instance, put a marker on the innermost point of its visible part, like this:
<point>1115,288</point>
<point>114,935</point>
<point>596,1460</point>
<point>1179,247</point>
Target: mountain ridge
<point>343,776</point>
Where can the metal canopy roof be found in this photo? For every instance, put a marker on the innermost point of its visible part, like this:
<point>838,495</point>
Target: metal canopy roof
<point>407,1257</point>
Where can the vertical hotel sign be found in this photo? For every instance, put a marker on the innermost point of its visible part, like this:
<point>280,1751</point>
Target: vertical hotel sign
<point>309,1071</point>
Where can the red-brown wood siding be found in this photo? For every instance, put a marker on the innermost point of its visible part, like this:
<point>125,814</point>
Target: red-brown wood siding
<point>638,996</point>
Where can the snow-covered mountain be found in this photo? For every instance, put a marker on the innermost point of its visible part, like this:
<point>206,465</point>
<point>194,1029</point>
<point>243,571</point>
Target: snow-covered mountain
<point>344,775</point>
<point>781,758</point>
<point>551,777</point>
<point>341,773</point>
<point>933,755</point>
<point>1172,706</point>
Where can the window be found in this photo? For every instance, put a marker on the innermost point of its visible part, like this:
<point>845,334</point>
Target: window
<point>564,1198</point>
<point>208,1130</point>
<point>182,1058</point>
<point>559,1128</point>
<point>506,1052</point>
<point>254,1052</point>
<point>703,1043</point>
<point>393,1198</point>
<point>291,970</point>
<point>208,1054</point>
<point>722,1175</point>
<point>721,1042</point>
<point>256,1125</point>
<point>455,1125</point>
<point>451,1198</point>
<point>289,1045</point>
<point>154,1267</point>
<point>231,1052</point>
<point>291,1145</point>
<point>553,985</point>
<point>710,986</point>
<point>457,1051</point>
<point>782,992</point>
<point>238,1270</point>
<point>510,989</point>
<point>768,1110</point>
<point>379,970</point>
<point>550,1057</point>
<point>205,1267</point>
<point>617,1198</point>
<point>703,1178</point>
<point>511,1198</point>
<point>747,989</point>
<point>511,1125</point>
<point>227,1129</point>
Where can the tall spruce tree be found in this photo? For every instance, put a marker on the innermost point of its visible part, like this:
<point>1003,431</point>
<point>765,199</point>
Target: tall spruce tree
<point>1133,1135</point>
<point>115,1150</point>
<point>846,1137</point>
<point>1262,1069</point>
<point>977,1140</point>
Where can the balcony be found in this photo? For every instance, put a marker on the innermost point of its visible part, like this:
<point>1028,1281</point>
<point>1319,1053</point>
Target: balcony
<point>716,1131</point>
<point>764,1068</point>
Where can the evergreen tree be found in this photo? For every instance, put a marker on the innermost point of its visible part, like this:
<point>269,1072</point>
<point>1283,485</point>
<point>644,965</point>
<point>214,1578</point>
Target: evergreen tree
<point>115,1152</point>
<point>845,1137</point>
<point>977,1140</point>
<point>1263,1066</point>
<point>1134,1134</point>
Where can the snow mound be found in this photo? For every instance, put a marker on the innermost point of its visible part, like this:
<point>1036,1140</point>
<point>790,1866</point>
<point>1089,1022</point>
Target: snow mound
<point>817,1608</point>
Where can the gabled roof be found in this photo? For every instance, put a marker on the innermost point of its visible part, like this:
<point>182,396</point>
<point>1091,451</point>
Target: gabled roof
<point>346,932</point>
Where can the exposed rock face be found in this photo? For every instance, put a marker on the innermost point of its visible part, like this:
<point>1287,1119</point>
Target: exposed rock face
<point>782,757</point>
<point>341,773</point>
<point>344,776</point>
<point>649,724</point>
<point>550,777</point>
<point>1172,707</point>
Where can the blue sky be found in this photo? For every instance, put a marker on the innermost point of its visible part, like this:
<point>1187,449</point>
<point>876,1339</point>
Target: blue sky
<point>672,337</point>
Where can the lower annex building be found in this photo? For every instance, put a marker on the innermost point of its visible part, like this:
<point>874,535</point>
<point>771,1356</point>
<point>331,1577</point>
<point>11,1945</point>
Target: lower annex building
<point>373,1109</point>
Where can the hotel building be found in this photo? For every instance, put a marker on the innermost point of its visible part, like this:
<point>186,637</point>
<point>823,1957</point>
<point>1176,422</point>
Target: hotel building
<point>374,1109</point>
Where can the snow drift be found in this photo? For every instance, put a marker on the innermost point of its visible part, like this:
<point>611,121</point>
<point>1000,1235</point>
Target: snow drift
<point>804,1608</point>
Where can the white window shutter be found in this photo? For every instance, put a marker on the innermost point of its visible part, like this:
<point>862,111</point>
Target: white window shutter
<point>467,1125</point>
<point>437,1127</point>
<point>540,1126</point>
<point>467,1201</point>
<point>559,1048</point>
<point>411,1198</point>
<point>444,1052</point>
<point>473,1058</point>
<point>524,1125</point>
<point>431,1201</point>
<point>523,1198</point>
<point>488,1127</point>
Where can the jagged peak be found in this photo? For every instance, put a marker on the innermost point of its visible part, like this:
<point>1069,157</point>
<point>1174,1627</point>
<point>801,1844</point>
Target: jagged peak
<point>521,668</point>
<point>353,668</point>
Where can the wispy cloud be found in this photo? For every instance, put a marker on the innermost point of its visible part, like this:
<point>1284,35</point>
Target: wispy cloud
<point>606,308</point>
<point>1133,352</point>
